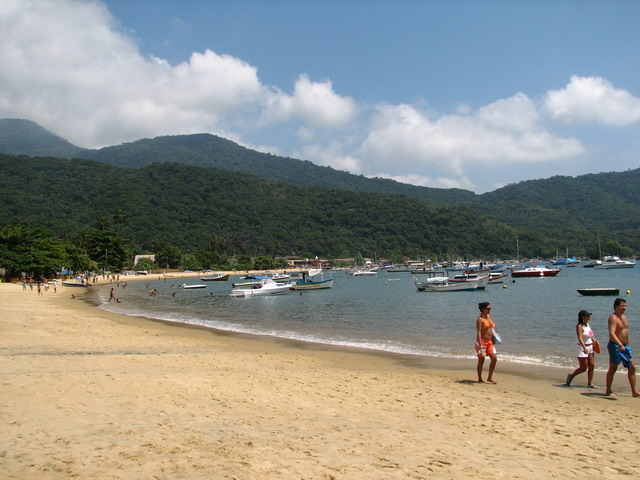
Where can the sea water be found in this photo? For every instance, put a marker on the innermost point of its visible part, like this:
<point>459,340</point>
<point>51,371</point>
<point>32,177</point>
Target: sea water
<point>536,317</point>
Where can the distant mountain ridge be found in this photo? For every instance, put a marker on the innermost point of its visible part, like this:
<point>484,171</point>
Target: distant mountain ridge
<point>205,150</point>
<point>569,209</point>
<point>24,137</point>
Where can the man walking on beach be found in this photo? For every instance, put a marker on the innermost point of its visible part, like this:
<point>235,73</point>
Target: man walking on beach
<point>618,347</point>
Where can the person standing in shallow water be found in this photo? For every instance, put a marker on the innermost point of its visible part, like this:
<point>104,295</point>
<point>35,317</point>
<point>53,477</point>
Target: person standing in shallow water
<point>586,355</point>
<point>484,341</point>
<point>618,347</point>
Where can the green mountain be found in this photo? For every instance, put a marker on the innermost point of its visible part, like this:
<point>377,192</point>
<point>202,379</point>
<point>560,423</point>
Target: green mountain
<point>548,215</point>
<point>206,150</point>
<point>23,137</point>
<point>186,206</point>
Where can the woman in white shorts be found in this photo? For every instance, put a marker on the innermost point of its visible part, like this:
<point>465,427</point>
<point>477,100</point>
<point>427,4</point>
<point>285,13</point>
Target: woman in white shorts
<point>584,349</point>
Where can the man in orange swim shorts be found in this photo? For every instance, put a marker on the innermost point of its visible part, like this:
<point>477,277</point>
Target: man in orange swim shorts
<point>484,341</point>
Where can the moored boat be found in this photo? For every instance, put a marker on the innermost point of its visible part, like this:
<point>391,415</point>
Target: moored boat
<point>615,262</point>
<point>364,273</point>
<point>535,272</point>
<point>216,277</point>
<point>191,287</point>
<point>312,280</point>
<point>482,280</point>
<point>497,277</point>
<point>590,292</point>
<point>452,287</point>
<point>444,284</point>
<point>263,288</point>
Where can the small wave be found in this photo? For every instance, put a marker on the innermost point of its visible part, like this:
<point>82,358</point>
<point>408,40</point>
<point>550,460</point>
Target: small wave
<point>373,346</point>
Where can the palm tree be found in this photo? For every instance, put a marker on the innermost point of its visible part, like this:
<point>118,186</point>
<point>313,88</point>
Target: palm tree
<point>119,218</point>
<point>102,224</point>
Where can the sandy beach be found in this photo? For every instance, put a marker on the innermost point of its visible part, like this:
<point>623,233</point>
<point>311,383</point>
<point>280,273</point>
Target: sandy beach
<point>91,394</point>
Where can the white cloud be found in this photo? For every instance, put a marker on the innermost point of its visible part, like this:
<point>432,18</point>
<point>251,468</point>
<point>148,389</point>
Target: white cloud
<point>425,181</point>
<point>68,67</point>
<point>313,102</point>
<point>592,99</point>
<point>405,140</point>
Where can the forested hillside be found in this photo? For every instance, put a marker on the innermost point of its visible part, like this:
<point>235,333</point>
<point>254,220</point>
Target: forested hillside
<point>548,215</point>
<point>204,150</point>
<point>186,206</point>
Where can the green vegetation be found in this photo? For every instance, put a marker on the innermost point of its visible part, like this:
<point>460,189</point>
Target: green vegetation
<point>225,214</point>
<point>164,196</point>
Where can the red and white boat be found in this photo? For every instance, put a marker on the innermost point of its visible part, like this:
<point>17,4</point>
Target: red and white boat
<point>535,272</point>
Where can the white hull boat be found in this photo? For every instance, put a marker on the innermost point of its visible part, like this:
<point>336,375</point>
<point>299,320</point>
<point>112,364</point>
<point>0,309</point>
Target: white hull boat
<point>481,280</point>
<point>262,288</point>
<point>614,262</point>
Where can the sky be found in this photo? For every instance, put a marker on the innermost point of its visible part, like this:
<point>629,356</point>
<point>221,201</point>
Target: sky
<point>437,93</point>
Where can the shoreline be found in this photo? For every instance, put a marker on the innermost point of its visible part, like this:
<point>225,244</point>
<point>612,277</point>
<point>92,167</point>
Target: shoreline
<point>527,369</point>
<point>88,392</point>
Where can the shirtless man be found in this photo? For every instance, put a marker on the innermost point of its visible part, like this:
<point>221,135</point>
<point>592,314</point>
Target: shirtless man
<point>619,340</point>
<point>484,341</point>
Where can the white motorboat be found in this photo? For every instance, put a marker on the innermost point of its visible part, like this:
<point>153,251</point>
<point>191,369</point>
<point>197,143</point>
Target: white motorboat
<point>190,287</point>
<point>364,273</point>
<point>614,262</point>
<point>276,277</point>
<point>263,287</point>
<point>482,280</point>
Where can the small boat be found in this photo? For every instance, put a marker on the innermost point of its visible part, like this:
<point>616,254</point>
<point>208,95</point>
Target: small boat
<point>426,270</point>
<point>444,284</point>
<point>452,287</point>
<point>482,280</point>
<point>264,287</point>
<point>76,282</point>
<point>310,281</point>
<point>535,272</point>
<point>397,269</point>
<point>615,262</point>
<point>364,273</point>
<point>216,277</point>
<point>591,292</point>
<point>276,277</point>
<point>497,277</point>
<point>191,287</point>
<point>251,280</point>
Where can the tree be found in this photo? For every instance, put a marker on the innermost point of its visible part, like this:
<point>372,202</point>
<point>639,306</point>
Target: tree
<point>190,262</point>
<point>169,257</point>
<point>119,218</point>
<point>102,224</point>
<point>144,264</point>
<point>108,250</point>
<point>31,250</point>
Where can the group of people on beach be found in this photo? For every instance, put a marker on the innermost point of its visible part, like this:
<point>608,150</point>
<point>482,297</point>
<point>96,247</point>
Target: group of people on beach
<point>587,346</point>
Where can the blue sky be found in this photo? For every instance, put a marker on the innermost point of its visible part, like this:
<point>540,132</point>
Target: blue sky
<point>457,93</point>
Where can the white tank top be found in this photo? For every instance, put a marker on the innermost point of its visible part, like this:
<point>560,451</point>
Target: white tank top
<point>587,334</point>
